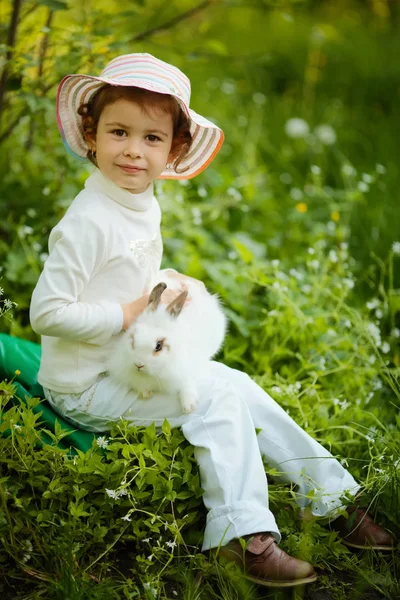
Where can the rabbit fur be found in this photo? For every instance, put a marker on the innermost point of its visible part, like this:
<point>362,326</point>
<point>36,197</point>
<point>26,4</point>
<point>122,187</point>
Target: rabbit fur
<point>168,347</point>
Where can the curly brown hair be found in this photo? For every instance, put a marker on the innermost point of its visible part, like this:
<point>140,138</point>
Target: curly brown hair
<point>108,94</point>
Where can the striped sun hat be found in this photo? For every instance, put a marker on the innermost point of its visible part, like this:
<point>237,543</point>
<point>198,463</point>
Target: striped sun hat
<point>147,72</point>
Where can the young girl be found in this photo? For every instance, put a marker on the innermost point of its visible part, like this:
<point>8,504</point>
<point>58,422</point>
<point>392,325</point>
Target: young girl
<point>133,122</point>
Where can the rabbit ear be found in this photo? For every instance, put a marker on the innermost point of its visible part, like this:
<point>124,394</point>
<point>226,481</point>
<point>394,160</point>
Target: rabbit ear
<point>174,308</point>
<point>155,296</point>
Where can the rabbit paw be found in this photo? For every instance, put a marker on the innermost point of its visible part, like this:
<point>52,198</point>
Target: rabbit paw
<point>146,394</point>
<point>189,404</point>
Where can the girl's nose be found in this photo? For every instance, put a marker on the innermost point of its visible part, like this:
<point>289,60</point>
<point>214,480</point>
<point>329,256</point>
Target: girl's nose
<point>133,148</point>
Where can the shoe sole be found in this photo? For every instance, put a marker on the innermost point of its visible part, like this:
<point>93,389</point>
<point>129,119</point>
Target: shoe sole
<point>281,584</point>
<point>366,547</point>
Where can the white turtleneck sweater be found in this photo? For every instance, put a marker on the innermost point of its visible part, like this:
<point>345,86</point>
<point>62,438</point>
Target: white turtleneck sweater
<point>106,251</point>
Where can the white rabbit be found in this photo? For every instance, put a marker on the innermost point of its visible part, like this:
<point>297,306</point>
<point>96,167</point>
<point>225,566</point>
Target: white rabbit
<point>167,349</point>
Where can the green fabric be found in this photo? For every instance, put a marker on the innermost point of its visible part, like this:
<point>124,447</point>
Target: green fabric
<point>24,356</point>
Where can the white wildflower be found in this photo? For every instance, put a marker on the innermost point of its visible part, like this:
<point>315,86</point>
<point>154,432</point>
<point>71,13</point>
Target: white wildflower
<point>344,246</point>
<point>116,494</point>
<point>46,191</point>
<point>36,246</point>
<point>31,212</point>
<point>275,263</point>
<point>374,303</point>
<point>336,401</point>
<point>232,255</point>
<point>147,540</point>
<point>228,86</point>
<point>259,98</point>
<point>344,404</point>
<point>331,226</point>
<point>380,169</point>
<point>385,347</point>
<point>367,178</point>
<point>344,462</point>
<point>296,194</point>
<point>375,333</point>
<point>202,192</point>
<point>296,128</point>
<point>8,303</point>
<point>43,256</point>
<point>152,590</point>
<point>315,169</point>
<point>306,288</point>
<point>396,247</point>
<point>126,518</point>
<point>372,359</point>
<point>294,273</point>
<point>276,389</point>
<point>326,134</point>
<point>25,230</point>
<point>1,291</point>
<point>395,332</point>
<point>102,442</point>
<point>314,264</point>
<point>348,170</point>
<point>175,593</point>
<point>349,283</point>
<point>111,494</point>
<point>333,257</point>
<point>17,427</point>
<point>171,544</point>
<point>282,275</point>
<point>273,313</point>
<point>331,333</point>
<point>347,323</point>
<point>378,385</point>
<point>234,193</point>
<point>166,525</point>
<point>379,313</point>
<point>310,250</point>
<point>276,285</point>
<point>150,558</point>
<point>362,186</point>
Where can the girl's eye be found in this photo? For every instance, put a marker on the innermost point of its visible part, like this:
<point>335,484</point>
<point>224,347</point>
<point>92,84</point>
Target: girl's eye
<point>159,345</point>
<point>153,138</point>
<point>118,131</point>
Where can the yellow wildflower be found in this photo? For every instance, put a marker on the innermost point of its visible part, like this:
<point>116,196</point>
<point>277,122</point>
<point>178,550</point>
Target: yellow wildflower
<point>18,372</point>
<point>301,207</point>
<point>335,216</point>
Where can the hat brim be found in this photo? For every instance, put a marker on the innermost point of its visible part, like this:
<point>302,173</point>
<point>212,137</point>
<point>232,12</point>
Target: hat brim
<point>75,90</point>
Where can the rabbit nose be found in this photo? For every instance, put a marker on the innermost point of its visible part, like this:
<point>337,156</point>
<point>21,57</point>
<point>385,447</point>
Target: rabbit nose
<point>139,366</point>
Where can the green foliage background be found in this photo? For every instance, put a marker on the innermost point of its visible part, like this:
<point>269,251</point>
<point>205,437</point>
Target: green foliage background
<point>297,235</point>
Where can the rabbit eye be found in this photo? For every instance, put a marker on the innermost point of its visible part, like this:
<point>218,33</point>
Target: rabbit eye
<point>159,345</point>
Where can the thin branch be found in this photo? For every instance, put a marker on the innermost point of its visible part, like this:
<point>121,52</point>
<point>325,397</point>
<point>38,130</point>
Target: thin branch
<point>189,13</point>
<point>12,36</point>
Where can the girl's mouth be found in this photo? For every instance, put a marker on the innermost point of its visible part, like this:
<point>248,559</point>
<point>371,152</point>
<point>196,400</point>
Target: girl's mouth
<point>130,169</point>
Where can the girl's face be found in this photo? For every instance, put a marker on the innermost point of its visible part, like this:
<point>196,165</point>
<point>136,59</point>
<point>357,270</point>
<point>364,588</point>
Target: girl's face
<point>128,136</point>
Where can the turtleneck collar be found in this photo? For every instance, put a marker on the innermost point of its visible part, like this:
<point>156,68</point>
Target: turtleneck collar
<point>142,201</point>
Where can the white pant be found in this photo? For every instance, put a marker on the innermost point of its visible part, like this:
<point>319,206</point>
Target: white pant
<point>227,448</point>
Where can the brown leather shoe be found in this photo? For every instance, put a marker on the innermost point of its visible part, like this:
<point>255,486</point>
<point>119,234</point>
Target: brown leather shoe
<point>266,564</point>
<point>360,531</point>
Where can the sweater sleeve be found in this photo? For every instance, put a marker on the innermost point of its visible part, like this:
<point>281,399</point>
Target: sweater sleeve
<point>77,248</point>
